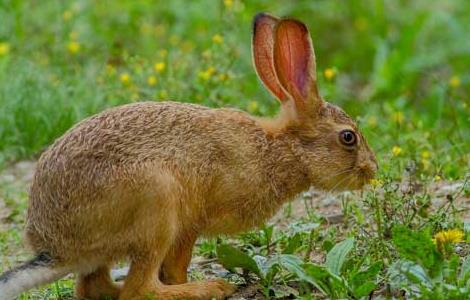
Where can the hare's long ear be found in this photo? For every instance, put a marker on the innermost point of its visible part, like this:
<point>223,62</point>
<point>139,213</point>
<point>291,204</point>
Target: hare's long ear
<point>262,49</point>
<point>294,64</point>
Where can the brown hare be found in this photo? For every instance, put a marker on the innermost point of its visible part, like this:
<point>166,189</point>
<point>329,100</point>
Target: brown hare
<point>143,181</point>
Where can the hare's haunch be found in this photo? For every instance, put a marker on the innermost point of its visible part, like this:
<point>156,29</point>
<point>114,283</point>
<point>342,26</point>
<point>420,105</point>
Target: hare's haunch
<point>142,181</point>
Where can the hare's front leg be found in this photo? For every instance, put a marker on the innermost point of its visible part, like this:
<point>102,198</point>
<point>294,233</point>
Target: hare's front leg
<point>175,265</point>
<point>97,285</point>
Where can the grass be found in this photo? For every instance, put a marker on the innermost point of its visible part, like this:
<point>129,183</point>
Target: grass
<point>401,69</point>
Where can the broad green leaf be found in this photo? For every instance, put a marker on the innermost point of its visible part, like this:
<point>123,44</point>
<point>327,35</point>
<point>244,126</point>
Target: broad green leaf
<point>294,265</point>
<point>364,289</point>
<point>231,258</point>
<point>417,247</point>
<point>337,255</point>
<point>404,273</point>
<point>318,277</point>
<point>293,243</point>
<point>364,282</point>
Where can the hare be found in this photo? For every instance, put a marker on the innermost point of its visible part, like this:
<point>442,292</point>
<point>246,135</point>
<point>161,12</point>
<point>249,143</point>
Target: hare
<point>143,181</point>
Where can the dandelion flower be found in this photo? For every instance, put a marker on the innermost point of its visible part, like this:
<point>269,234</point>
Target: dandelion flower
<point>252,106</point>
<point>228,3</point>
<point>329,73</point>
<point>396,150</point>
<point>151,80</point>
<point>375,182</point>
<point>445,238</point>
<point>217,39</point>
<point>4,48</point>
<point>454,81</point>
<point>223,77</point>
<point>125,78</point>
<point>207,74</point>
<point>398,117</point>
<point>425,154</point>
<point>159,67</point>
<point>67,15</point>
<point>73,47</point>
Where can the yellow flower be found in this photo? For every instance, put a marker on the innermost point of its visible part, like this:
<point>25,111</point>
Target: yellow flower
<point>446,237</point>
<point>425,154</point>
<point>437,178</point>
<point>329,73</point>
<point>372,121</point>
<point>454,81</point>
<point>152,80</point>
<point>67,15</point>
<point>217,39</point>
<point>398,117</point>
<point>376,182</point>
<point>426,164</point>
<point>223,77</point>
<point>4,48</point>
<point>73,47</point>
<point>396,150</point>
<point>228,3</point>
<point>207,74</point>
<point>252,106</point>
<point>159,67</point>
<point>125,78</point>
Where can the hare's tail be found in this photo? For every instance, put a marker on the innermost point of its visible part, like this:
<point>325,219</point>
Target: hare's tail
<point>35,272</point>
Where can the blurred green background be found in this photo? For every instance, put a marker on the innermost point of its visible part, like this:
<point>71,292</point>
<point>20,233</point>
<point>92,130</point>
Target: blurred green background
<point>401,68</point>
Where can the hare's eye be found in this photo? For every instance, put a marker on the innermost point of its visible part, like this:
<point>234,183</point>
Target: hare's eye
<point>347,137</point>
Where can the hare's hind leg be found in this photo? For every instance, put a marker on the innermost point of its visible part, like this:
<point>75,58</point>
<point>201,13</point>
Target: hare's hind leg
<point>174,269</point>
<point>97,285</point>
<point>142,283</point>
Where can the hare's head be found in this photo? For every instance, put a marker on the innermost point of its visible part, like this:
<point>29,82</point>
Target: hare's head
<point>327,141</point>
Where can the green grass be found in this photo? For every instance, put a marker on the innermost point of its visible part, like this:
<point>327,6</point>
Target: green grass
<point>400,68</point>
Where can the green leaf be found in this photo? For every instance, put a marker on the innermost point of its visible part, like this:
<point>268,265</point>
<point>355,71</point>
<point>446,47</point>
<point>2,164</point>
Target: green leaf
<point>417,247</point>
<point>364,289</point>
<point>293,243</point>
<point>318,277</point>
<point>231,258</point>
<point>294,265</point>
<point>336,257</point>
<point>364,282</point>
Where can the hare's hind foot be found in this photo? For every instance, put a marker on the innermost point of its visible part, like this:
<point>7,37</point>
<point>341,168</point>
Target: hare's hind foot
<point>204,290</point>
<point>142,283</point>
<point>97,285</point>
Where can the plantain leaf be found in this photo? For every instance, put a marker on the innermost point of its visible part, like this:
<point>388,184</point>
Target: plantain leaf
<point>337,256</point>
<point>231,258</point>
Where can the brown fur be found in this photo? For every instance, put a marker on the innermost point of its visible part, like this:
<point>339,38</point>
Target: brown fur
<point>143,181</point>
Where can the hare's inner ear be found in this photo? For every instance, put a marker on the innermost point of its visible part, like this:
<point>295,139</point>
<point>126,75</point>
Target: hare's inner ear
<point>294,64</point>
<point>262,49</point>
